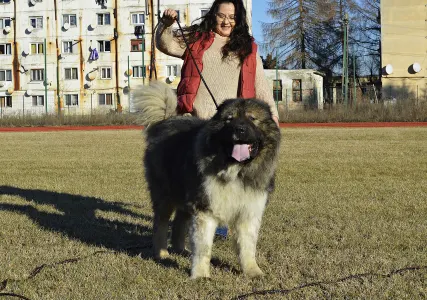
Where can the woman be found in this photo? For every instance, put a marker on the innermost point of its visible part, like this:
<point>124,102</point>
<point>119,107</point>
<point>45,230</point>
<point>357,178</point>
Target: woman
<point>225,53</point>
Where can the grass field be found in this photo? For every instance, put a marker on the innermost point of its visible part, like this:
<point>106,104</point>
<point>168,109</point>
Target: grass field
<point>348,220</point>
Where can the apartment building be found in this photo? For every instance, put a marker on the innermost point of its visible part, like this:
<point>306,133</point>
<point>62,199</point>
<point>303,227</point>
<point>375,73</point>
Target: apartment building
<point>80,56</point>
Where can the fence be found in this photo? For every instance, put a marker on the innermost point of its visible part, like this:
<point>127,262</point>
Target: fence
<point>366,93</point>
<point>20,104</point>
<point>376,93</point>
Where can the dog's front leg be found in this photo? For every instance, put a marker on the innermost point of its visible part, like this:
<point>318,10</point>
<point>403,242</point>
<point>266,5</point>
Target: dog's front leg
<point>202,235</point>
<point>247,228</point>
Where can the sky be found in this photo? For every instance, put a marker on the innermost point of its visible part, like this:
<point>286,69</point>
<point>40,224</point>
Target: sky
<point>259,13</point>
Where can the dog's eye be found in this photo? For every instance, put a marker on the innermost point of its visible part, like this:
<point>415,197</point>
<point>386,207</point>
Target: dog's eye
<point>251,117</point>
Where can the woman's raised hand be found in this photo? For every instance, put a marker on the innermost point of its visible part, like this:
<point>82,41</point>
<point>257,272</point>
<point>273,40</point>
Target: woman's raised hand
<point>169,17</point>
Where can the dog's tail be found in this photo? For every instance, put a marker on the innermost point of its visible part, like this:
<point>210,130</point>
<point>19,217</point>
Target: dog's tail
<point>153,103</point>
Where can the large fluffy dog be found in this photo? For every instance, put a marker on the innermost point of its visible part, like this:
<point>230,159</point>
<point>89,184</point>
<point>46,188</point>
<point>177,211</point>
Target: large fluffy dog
<point>209,172</point>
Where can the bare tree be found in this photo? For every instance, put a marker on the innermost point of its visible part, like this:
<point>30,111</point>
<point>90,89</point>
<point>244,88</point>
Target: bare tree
<point>308,33</point>
<point>367,34</point>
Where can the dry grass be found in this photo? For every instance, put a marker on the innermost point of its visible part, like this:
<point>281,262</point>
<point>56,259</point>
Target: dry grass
<point>348,220</point>
<point>95,119</point>
<point>403,111</point>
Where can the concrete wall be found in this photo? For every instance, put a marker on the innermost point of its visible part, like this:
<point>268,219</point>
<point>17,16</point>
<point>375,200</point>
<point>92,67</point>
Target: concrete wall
<point>311,86</point>
<point>403,44</point>
<point>85,36</point>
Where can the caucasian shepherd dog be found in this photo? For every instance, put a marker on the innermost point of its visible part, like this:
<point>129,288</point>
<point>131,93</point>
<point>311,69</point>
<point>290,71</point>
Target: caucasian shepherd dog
<point>209,172</point>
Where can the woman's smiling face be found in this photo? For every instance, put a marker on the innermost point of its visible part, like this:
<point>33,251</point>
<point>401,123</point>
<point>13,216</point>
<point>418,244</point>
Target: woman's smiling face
<point>225,19</point>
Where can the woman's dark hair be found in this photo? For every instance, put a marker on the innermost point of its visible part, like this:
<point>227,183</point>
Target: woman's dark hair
<point>240,42</point>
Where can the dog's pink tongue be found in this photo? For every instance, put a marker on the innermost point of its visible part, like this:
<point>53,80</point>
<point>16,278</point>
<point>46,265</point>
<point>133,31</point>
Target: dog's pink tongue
<point>241,152</point>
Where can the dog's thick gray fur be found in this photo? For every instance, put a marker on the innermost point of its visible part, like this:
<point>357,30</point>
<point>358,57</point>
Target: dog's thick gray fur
<point>192,171</point>
<point>153,103</point>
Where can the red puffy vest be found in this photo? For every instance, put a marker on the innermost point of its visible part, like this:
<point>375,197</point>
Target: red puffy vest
<point>190,78</point>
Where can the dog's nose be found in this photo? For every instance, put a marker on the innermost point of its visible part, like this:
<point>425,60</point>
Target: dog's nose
<point>240,129</point>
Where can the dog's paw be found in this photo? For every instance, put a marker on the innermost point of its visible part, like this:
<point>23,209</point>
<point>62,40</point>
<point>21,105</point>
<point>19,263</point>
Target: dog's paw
<point>197,276</point>
<point>163,253</point>
<point>183,252</point>
<point>253,271</point>
<point>200,272</point>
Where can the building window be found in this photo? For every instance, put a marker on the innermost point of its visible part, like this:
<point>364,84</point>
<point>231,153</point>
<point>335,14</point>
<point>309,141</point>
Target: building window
<point>139,71</point>
<point>5,75</point>
<point>71,73</point>
<point>71,99</point>
<point>4,1</point>
<point>105,99</point>
<point>105,72</point>
<point>38,100</point>
<point>203,12</point>
<point>137,45</point>
<point>37,74</point>
<point>172,70</point>
<point>139,31</point>
<point>36,22</point>
<point>37,48</point>
<point>138,18</point>
<point>5,49</point>
<point>104,46</point>
<point>4,22</point>
<point>104,19</point>
<point>277,90</point>
<point>6,101</point>
<point>68,47</point>
<point>296,90</point>
<point>70,19</point>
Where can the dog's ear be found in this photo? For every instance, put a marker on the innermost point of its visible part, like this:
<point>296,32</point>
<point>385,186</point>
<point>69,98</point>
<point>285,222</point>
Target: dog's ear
<point>227,107</point>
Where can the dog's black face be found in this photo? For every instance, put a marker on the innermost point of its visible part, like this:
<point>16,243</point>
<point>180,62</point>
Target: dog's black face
<point>241,127</point>
<point>240,133</point>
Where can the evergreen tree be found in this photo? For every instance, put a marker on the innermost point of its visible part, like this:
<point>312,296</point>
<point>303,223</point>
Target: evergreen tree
<point>269,62</point>
<point>308,33</point>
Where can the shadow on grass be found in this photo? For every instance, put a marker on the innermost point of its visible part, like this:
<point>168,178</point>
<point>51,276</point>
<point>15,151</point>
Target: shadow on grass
<point>77,219</point>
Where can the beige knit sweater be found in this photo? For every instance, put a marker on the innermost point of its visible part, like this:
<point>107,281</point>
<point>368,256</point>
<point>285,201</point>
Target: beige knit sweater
<point>222,76</point>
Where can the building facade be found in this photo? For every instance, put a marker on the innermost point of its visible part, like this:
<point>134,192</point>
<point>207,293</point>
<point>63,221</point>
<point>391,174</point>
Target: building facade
<point>404,44</point>
<point>80,56</point>
<point>297,89</point>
